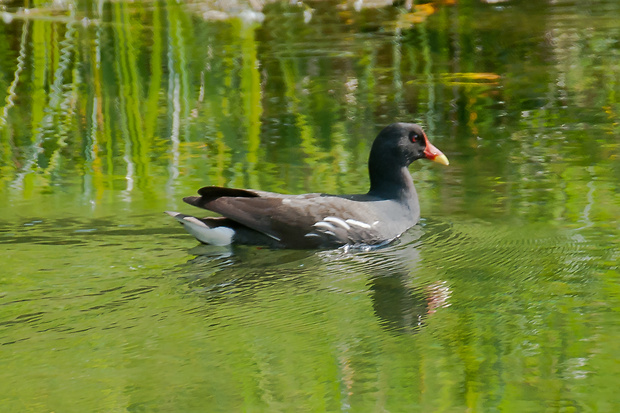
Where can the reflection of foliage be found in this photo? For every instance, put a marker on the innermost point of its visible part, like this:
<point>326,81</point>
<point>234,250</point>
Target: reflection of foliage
<point>137,92</point>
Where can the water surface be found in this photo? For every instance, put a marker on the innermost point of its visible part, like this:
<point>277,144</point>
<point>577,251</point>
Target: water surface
<point>504,298</point>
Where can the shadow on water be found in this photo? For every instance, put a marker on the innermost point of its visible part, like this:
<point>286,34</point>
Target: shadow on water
<point>81,231</point>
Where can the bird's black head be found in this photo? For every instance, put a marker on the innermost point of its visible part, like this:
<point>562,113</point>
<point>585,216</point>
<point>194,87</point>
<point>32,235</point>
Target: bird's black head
<point>402,143</point>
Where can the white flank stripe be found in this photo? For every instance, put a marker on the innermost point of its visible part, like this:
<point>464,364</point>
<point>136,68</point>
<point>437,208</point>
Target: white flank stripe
<point>358,223</point>
<point>325,225</point>
<point>311,234</point>
<point>273,236</point>
<point>338,221</point>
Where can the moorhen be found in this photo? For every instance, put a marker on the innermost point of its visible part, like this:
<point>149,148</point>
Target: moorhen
<point>316,220</point>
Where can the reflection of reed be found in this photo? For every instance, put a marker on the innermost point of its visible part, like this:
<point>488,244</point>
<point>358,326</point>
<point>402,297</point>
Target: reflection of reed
<point>5,142</point>
<point>251,95</point>
<point>131,126</point>
<point>178,88</point>
<point>11,95</point>
<point>95,124</point>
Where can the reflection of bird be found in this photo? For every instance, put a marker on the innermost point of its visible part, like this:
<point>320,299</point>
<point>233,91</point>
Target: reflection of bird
<point>318,220</point>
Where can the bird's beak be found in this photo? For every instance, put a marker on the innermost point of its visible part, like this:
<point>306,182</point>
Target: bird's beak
<point>435,154</point>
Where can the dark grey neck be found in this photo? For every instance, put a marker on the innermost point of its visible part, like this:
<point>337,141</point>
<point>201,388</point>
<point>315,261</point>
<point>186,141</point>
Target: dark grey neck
<point>392,183</point>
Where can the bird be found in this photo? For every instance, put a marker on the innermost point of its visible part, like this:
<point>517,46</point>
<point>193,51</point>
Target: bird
<point>318,220</point>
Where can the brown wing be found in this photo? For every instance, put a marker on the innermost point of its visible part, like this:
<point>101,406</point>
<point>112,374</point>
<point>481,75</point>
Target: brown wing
<point>265,212</point>
<point>231,203</point>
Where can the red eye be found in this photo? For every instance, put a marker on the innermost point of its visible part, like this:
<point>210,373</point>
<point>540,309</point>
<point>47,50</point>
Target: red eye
<point>413,137</point>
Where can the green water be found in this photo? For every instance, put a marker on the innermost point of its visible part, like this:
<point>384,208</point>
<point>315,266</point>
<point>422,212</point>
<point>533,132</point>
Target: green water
<point>505,298</point>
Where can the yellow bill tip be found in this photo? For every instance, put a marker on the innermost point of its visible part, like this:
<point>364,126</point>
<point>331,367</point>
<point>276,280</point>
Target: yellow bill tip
<point>442,159</point>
